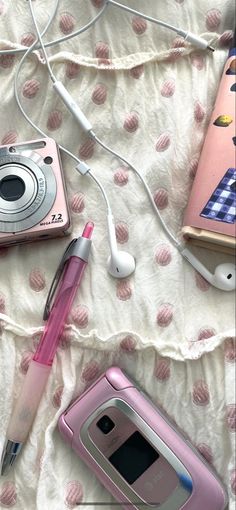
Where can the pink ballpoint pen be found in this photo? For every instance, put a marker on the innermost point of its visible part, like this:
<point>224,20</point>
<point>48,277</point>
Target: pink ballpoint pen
<point>72,265</point>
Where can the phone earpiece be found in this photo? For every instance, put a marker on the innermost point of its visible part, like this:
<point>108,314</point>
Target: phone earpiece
<point>121,265</point>
<point>223,277</point>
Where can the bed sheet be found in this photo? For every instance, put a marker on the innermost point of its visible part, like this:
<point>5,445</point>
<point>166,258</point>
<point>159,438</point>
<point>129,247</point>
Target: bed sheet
<point>150,96</point>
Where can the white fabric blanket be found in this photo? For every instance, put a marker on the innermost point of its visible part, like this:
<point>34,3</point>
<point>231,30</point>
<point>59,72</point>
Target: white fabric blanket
<point>149,97</point>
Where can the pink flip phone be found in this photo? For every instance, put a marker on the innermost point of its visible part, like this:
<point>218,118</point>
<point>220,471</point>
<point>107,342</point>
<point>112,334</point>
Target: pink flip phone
<point>134,450</point>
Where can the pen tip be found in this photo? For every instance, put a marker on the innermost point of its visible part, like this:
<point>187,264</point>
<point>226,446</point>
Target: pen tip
<point>88,230</point>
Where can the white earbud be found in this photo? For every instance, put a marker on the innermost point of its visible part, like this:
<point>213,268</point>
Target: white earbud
<point>120,263</point>
<point>224,276</point>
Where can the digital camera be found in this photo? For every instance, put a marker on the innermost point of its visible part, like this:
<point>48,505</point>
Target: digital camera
<point>136,452</point>
<point>33,203</point>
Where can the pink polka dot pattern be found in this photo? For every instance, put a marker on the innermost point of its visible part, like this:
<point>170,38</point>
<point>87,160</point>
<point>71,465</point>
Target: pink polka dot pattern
<point>80,316</point>
<point>174,54</point>
<point>102,50</point>
<point>74,494</point>
<point>30,88</point>
<point>213,19</point>
<point>163,255</point>
<point>168,88</point>
<point>72,70</point>
<point>123,290</point>
<point>8,495</point>
<point>78,202</point>
<point>199,112</point>
<point>193,167</point>
<point>90,371</point>
<point>3,251</point>
<point>2,304</point>
<point>56,399</point>
<point>226,38</point>
<point>87,149</point>
<point>6,61</point>
<point>131,122</point>
<point>164,315</point>
<point>99,94</point>
<point>65,340</point>
<point>201,395</point>
<point>10,137</point>
<point>230,350</point>
<point>206,452</point>
<point>67,23</point>
<point>137,71</point>
<point>25,361</point>
<point>27,39</point>
<point>161,198</point>
<point>121,177</point>
<point>97,3</point>
<point>54,120</point>
<point>162,369</point>
<point>233,481</point>
<point>231,417</point>
<point>198,61</point>
<point>206,333</point>
<point>178,42</point>
<point>139,25</point>
<point>128,344</point>
<point>201,283</point>
<point>36,280</point>
<point>122,232</point>
<point>163,142</point>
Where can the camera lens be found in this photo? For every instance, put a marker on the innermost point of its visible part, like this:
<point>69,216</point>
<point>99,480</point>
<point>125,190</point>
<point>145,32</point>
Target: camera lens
<point>12,188</point>
<point>105,424</point>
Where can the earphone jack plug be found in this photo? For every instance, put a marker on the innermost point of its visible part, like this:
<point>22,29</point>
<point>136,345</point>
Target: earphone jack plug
<point>210,48</point>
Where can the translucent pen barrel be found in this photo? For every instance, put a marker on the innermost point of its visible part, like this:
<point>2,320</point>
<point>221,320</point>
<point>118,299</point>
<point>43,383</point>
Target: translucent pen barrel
<point>55,325</point>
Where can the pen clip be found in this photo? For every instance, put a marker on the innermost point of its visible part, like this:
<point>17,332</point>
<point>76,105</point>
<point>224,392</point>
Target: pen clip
<point>56,279</point>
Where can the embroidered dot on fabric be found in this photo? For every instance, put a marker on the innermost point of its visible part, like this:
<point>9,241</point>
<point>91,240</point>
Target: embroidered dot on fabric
<point>77,203</point>
<point>213,19</point>
<point>168,88</point>
<point>199,112</point>
<point>56,399</point>
<point>66,23</point>
<point>233,481</point>
<point>87,149</point>
<point>198,61</point>
<point>206,452</point>
<point>201,394</point>
<point>161,198</point>
<point>128,344</point>
<point>163,255</point>
<point>99,94</point>
<point>25,361</point>
<point>230,350</point>
<point>131,122</point>
<point>72,70</point>
<point>122,232</point>
<point>164,315</point>
<point>90,371</point>
<point>54,120</point>
<point>123,290</point>
<point>231,417</point>
<point>162,369</point>
<point>97,3</point>
<point>174,54</point>
<point>206,333</point>
<point>27,39</point>
<point>73,494</point>
<point>6,61</point>
<point>139,25</point>
<point>137,71</point>
<point>30,88</point>
<point>36,280</point>
<point>102,50</point>
<point>226,38</point>
<point>65,340</point>
<point>163,142</point>
<point>178,42</point>
<point>201,283</point>
<point>8,494</point>
<point>80,316</point>
<point>9,137</point>
<point>121,176</point>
